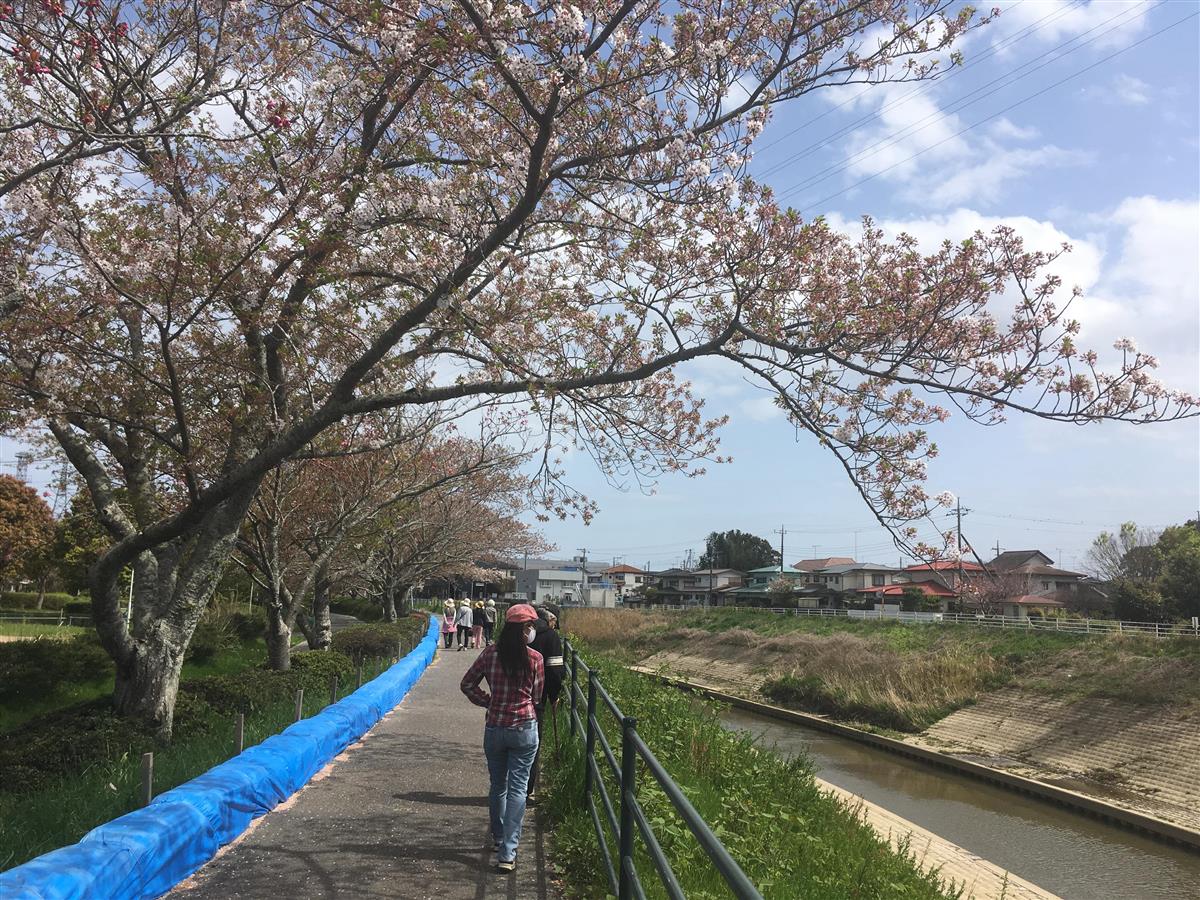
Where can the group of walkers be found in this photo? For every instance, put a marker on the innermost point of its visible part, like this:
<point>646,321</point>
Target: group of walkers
<point>524,674</point>
<point>473,625</point>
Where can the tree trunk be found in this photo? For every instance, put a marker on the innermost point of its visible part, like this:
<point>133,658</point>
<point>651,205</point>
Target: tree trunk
<point>174,583</point>
<point>279,639</point>
<point>389,603</point>
<point>323,627</point>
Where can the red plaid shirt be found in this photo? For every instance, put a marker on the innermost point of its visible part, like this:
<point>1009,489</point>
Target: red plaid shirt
<point>512,700</point>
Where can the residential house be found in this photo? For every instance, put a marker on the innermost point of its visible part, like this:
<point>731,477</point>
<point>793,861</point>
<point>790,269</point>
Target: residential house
<point>853,576</point>
<point>756,590</point>
<point>952,574</point>
<point>894,593</point>
<point>700,587</point>
<point>1041,578</point>
<point>811,565</point>
<point>622,580</point>
<point>557,581</point>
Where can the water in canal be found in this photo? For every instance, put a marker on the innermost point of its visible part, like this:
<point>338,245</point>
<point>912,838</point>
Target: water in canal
<point>1074,856</point>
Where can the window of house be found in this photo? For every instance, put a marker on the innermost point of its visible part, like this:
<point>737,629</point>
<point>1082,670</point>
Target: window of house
<point>877,580</point>
<point>1045,585</point>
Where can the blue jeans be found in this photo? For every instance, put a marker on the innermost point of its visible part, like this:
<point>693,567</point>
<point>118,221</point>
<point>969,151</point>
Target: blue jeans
<point>510,753</point>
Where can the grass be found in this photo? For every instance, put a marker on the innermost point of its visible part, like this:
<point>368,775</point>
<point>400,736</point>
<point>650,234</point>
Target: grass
<point>791,840</point>
<point>29,630</point>
<point>30,707</point>
<point>69,768</point>
<point>902,676</point>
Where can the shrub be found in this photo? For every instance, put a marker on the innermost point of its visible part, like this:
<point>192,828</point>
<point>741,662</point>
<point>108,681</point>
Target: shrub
<point>363,642</point>
<point>28,600</point>
<point>44,665</point>
<point>209,639</point>
<point>362,609</point>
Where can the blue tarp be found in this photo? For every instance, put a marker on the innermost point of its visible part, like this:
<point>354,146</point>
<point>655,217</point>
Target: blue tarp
<point>147,852</point>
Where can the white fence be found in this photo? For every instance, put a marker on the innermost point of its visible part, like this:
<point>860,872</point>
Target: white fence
<point>1050,623</point>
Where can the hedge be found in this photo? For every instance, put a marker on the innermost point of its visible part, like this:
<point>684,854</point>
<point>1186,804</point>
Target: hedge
<point>29,599</point>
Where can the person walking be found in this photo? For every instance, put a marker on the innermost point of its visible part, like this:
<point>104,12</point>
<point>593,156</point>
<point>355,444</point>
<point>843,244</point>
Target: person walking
<point>464,624</point>
<point>547,642</point>
<point>477,625</point>
<point>489,622</point>
<point>515,678</point>
<point>448,627</point>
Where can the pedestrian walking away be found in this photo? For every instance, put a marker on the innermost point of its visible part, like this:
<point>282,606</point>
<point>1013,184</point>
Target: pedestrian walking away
<point>547,642</point>
<point>489,622</point>
<point>464,624</point>
<point>477,625</point>
<point>515,677</point>
<point>448,627</point>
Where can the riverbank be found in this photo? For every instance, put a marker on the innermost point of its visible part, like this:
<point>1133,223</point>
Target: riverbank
<point>1113,719</point>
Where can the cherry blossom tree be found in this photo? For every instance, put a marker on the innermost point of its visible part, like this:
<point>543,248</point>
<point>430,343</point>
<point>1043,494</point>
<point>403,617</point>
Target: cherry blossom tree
<point>228,227</point>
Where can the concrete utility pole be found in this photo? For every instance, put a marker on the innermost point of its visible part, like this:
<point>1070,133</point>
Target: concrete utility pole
<point>997,546</point>
<point>958,542</point>
<point>782,531</point>
<point>583,581</point>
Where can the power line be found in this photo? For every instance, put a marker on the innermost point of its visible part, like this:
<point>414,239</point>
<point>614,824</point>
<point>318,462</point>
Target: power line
<point>980,93</point>
<point>1001,112</point>
<point>921,89</point>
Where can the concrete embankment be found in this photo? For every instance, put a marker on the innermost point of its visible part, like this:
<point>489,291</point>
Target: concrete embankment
<point>1131,766</point>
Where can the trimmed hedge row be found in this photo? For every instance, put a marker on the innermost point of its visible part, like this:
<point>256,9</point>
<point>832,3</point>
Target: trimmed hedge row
<point>362,609</point>
<point>52,602</point>
<point>362,642</point>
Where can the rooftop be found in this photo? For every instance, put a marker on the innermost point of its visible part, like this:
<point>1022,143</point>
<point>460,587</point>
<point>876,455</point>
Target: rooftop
<point>811,565</point>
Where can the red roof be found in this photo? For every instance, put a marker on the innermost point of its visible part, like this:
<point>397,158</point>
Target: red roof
<point>623,570</point>
<point>928,588</point>
<point>945,565</point>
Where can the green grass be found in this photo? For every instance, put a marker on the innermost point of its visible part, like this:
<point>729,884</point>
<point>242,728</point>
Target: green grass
<point>68,769</point>
<point>902,676</point>
<point>29,707</point>
<point>791,840</point>
<point>29,629</point>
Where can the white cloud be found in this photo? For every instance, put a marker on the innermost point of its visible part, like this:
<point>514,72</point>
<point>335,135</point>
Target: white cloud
<point>1142,282</point>
<point>1111,23</point>
<point>985,180</point>
<point>761,408</point>
<point>1130,90</point>
<point>1006,128</point>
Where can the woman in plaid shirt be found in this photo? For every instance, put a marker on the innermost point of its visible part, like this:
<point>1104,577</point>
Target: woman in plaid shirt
<point>515,676</point>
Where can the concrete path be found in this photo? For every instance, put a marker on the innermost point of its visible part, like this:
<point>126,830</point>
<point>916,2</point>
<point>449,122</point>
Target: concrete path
<point>401,814</point>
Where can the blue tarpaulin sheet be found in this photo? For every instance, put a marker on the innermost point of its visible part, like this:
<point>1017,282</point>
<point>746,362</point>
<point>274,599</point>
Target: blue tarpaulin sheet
<point>147,852</point>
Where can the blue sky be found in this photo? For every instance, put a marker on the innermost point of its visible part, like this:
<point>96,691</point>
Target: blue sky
<point>1108,160</point>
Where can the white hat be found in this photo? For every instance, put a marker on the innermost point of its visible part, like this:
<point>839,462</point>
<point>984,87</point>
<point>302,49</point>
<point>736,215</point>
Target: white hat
<point>466,603</point>
<point>491,603</point>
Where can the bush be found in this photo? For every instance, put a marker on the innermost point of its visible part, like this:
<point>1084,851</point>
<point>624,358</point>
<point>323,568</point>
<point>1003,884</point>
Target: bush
<point>363,642</point>
<point>43,666</point>
<point>209,639</point>
<point>28,600</point>
<point>249,626</point>
<point>362,609</point>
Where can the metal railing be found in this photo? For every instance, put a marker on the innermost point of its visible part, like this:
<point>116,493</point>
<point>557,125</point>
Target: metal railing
<point>629,821</point>
<point>1035,623</point>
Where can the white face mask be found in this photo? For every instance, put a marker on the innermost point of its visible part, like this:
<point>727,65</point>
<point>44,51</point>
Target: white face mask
<point>530,634</point>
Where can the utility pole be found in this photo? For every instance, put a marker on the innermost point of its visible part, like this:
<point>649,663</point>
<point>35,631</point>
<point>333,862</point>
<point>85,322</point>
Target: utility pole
<point>583,581</point>
<point>781,532</point>
<point>958,542</point>
<point>997,546</point>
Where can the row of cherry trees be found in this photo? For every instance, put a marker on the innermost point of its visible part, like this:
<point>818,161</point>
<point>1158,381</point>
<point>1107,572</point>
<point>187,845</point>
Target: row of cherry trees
<point>235,234</point>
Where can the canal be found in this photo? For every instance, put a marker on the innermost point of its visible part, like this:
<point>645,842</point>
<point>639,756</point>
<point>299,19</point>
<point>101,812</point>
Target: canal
<point>1074,856</point>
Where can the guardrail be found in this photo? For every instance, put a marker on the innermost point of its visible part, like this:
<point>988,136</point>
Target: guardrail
<point>1048,623</point>
<point>630,820</point>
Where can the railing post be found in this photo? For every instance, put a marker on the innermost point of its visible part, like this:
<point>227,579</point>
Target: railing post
<point>590,732</point>
<point>299,704</point>
<point>239,734</point>
<point>333,688</point>
<point>628,792</point>
<point>574,686</point>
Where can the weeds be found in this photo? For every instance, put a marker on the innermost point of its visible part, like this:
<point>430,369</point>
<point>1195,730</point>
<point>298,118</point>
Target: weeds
<point>791,840</point>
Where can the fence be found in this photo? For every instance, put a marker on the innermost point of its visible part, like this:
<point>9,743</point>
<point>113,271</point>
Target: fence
<point>49,620</point>
<point>1048,623</point>
<point>630,821</point>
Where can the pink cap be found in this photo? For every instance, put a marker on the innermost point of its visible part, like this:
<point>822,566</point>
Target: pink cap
<point>519,613</point>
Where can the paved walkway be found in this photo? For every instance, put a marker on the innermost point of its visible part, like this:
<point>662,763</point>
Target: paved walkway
<point>401,814</point>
